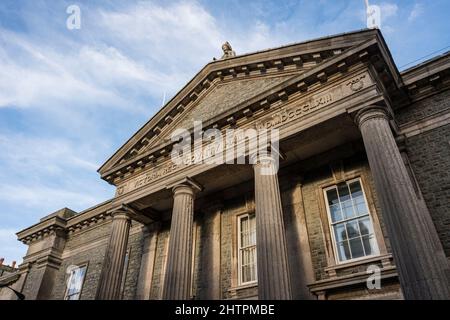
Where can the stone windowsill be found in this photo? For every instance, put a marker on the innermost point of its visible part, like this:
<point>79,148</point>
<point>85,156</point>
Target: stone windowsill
<point>359,278</point>
<point>384,259</point>
<point>237,291</point>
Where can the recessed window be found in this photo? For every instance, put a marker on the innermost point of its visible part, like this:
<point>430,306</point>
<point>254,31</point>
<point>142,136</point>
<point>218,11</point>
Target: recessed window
<point>247,249</point>
<point>75,282</point>
<point>351,224</point>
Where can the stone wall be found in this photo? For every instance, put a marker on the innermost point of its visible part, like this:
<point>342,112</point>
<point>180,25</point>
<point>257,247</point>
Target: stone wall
<point>32,283</point>
<point>94,260</point>
<point>88,248</point>
<point>429,155</point>
<point>85,247</point>
<point>135,246</point>
<point>160,260</point>
<point>424,108</point>
<point>206,266</point>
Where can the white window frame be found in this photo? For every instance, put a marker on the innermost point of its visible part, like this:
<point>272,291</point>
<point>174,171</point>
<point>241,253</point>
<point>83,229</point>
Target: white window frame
<point>66,296</point>
<point>240,282</point>
<point>331,224</point>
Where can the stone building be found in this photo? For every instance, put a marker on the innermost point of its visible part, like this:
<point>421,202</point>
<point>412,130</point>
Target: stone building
<point>362,190</point>
<point>8,274</point>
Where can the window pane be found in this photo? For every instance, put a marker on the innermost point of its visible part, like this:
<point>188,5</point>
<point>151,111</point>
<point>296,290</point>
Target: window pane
<point>361,208</point>
<point>244,230</point>
<point>75,283</point>
<point>332,197</point>
<point>365,226</point>
<point>344,251</point>
<point>352,229</point>
<point>358,198</point>
<point>344,194</point>
<point>339,231</point>
<point>252,231</point>
<point>355,188</point>
<point>245,273</point>
<point>247,250</point>
<point>253,237</point>
<point>335,211</point>
<point>347,208</point>
<point>356,248</point>
<point>370,245</point>
<point>248,263</point>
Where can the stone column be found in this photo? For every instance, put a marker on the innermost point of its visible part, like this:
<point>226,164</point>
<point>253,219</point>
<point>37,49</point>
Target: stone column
<point>418,253</point>
<point>177,282</point>
<point>272,260</point>
<point>113,264</point>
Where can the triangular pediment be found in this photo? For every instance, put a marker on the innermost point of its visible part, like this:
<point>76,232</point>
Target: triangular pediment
<point>222,96</point>
<point>222,85</point>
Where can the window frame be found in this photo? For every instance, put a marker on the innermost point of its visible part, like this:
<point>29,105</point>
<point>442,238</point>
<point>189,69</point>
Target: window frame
<point>239,248</point>
<point>377,249</point>
<point>81,265</point>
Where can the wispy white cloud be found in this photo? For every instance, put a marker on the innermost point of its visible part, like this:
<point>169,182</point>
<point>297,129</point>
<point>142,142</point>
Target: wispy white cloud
<point>45,156</point>
<point>388,10</point>
<point>40,196</point>
<point>416,12</point>
<point>45,78</point>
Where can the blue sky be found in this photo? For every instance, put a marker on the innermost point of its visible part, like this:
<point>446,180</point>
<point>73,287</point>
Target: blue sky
<point>70,98</point>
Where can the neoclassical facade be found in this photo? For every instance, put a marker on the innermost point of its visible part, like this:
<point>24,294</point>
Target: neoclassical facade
<point>362,189</point>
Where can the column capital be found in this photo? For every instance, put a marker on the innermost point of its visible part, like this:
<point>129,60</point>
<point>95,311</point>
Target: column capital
<point>274,155</point>
<point>186,185</point>
<point>122,212</point>
<point>266,163</point>
<point>371,112</point>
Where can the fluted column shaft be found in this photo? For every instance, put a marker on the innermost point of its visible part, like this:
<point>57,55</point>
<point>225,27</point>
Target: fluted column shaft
<point>418,253</point>
<point>177,283</point>
<point>113,264</point>
<point>272,260</point>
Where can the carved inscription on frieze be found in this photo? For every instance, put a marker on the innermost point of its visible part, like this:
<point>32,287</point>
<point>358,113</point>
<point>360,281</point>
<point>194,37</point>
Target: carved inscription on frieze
<point>313,103</point>
<point>276,119</point>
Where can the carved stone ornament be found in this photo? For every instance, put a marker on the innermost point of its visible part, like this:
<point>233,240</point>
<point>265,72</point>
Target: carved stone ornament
<point>227,51</point>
